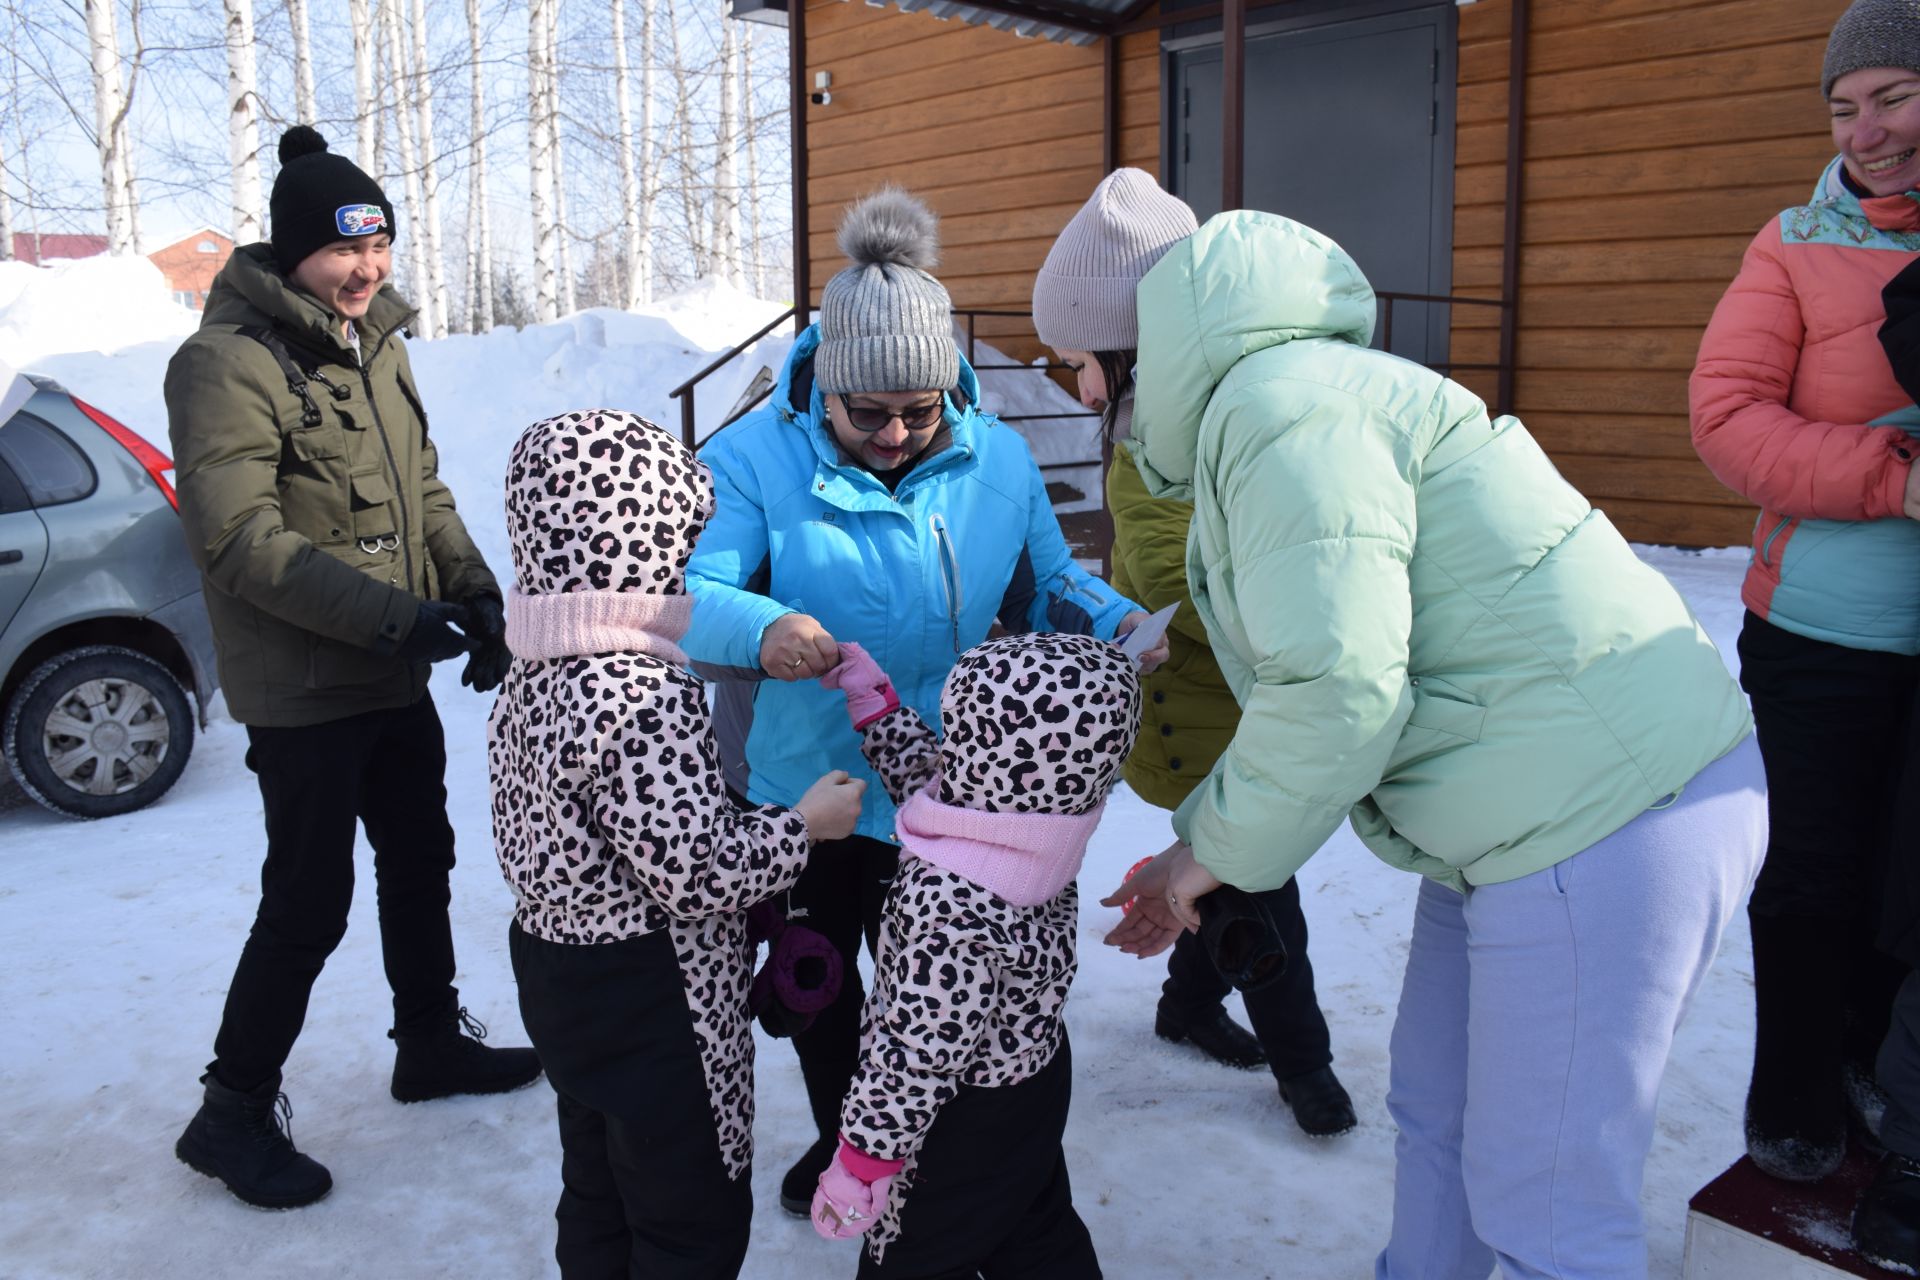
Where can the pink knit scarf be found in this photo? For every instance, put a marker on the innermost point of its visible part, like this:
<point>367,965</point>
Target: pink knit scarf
<point>1025,858</point>
<point>580,622</point>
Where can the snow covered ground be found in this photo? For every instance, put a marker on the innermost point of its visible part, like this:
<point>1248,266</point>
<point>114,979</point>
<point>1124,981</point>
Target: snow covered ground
<point>121,936</point>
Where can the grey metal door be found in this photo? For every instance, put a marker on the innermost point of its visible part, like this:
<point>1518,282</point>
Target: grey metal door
<point>1349,129</point>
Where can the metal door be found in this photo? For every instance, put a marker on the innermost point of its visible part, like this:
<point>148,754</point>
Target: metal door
<point>1349,129</point>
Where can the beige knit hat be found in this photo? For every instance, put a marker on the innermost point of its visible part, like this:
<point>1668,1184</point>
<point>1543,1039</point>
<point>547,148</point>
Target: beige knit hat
<point>1872,33</point>
<point>1083,296</point>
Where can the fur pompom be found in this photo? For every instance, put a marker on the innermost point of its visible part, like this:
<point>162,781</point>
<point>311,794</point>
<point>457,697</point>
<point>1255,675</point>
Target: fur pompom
<point>301,140</point>
<point>890,226</point>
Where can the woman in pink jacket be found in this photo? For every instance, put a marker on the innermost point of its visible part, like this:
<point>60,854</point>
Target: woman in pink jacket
<point>1795,407</point>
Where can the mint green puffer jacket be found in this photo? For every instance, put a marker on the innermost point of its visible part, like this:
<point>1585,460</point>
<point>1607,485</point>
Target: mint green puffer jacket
<point>1429,631</point>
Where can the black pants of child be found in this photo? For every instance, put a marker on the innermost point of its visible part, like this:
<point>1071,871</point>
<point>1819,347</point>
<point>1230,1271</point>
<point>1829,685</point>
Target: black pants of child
<point>644,1192</point>
<point>1285,1015</point>
<point>839,896</point>
<point>990,1198</point>
<point>385,769</point>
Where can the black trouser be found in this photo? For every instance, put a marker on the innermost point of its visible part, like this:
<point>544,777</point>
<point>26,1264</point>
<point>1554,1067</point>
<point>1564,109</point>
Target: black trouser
<point>387,770</point>
<point>1832,729</point>
<point>644,1191</point>
<point>990,1194</point>
<point>840,896</point>
<point>1285,1016</point>
<point>1899,1072</point>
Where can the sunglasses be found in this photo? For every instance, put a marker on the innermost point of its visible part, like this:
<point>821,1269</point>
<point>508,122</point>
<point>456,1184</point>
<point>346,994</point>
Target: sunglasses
<point>916,417</point>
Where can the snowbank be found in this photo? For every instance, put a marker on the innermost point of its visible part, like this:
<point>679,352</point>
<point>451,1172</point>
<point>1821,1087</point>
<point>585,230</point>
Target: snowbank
<point>98,304</point>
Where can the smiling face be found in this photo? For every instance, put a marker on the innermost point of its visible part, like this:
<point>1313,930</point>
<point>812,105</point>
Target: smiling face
<point>345,274</point>
<point>893,444</point>
<point>1876,127</point>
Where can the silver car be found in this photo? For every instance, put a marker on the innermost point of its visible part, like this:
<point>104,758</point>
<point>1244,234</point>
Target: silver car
<point>103,635</point>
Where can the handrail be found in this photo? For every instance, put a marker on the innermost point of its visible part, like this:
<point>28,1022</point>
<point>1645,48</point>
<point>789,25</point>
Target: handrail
<point>684,392</point>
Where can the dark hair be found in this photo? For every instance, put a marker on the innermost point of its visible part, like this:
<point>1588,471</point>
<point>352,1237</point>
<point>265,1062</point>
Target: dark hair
<point>1116,370</point>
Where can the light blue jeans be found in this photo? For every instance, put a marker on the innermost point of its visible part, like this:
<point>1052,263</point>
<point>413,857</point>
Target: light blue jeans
<point>1534,1026</point>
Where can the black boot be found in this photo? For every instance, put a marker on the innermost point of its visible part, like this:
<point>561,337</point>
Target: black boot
<point>1886,1225</point>
<point>239,1138</point>
<point>1320,1103</point>
<point>1796,1114</point>
<point>445,1057</point>
<point>1213,1033</point>
<point>796,1189</point>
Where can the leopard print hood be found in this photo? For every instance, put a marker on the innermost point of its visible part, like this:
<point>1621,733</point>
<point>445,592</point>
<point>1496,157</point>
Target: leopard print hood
<point>1037,723</point>
<point>600,500</point>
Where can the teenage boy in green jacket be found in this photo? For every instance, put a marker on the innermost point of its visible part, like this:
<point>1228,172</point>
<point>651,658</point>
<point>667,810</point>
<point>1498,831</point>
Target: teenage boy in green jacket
<point>336,573</point>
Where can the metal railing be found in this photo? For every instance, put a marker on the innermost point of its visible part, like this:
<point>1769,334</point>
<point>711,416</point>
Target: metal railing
<point>1099,520</point>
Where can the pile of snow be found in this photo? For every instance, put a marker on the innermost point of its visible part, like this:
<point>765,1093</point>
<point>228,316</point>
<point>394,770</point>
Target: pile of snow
<point>122,935</point>
<point>89,304</point>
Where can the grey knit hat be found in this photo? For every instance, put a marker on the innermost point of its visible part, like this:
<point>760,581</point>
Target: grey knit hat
<point>885,324</point>
<point>1872,33</point>
<point>1083,296</point>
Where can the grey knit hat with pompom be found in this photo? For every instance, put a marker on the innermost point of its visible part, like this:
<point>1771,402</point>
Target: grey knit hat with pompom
<point>1872,33</point>
<point>885,324</point>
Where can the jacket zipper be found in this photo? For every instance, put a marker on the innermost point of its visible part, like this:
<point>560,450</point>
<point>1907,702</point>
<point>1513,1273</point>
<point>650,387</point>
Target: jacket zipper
<point>949,573</point>
<point>1773,534</point>
<point>399,487</point>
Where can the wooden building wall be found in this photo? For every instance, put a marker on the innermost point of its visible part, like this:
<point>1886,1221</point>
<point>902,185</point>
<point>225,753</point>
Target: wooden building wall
<point>1001,135</point>
<point>1660,135</point>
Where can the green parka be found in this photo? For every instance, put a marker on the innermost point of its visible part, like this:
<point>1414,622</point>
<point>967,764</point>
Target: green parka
<point>315,539</point>
<point>1189,714</point>
<point>1428,630</point>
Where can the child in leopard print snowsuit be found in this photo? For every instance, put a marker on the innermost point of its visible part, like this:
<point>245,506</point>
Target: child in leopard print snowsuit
<point>950,1158</point>
<point>631,867</point>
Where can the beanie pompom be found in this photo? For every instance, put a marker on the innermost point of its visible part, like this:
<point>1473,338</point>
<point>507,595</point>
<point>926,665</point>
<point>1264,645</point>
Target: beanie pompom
<point>301,140</point>
<point>890,226</point>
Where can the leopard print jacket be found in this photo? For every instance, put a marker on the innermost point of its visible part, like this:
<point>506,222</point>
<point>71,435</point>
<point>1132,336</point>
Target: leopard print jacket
<point>968,988</point>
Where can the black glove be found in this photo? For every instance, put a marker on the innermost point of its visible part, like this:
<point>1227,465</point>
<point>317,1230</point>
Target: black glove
<point>1900,334</point>
<point>1242,939</point>
<point>491,657</point>
<point>439,632</point>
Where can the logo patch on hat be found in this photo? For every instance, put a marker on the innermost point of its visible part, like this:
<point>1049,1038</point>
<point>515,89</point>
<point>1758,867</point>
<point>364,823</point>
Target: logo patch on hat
<point>360,219</point>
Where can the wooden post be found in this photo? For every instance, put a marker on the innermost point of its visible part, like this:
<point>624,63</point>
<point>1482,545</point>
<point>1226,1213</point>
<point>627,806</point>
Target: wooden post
<point>1510,251</point>
<point>1233,103</point>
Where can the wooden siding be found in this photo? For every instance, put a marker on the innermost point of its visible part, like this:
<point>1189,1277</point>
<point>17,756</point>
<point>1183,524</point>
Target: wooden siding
<point>1660,135</point>
<point>1001,135</point>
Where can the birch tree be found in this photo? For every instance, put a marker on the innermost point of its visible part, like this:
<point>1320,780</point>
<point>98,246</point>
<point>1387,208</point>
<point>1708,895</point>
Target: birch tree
<point>306,105</point>
<point>422,93</point>
<point>540,161</point>
<point>365,43</point>
<point>109,114</point>
<point>6,208</point>
<point>243,127</point>
<point>683,126</point>
<point>726,194</point>
<point>555,138</point>
<point>756,259</point>
<point>650,171</point>
<point>479,223</point>
<point>629,179</point>
<point>403,129</point>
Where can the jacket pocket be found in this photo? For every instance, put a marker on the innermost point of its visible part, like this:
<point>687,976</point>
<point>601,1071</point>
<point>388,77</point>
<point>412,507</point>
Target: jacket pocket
<point>317,443</point>
<point>1447,708</point>
<point>371,500</point>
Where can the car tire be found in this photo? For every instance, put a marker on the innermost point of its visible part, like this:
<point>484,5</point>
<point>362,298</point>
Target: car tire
<point>102,707</point>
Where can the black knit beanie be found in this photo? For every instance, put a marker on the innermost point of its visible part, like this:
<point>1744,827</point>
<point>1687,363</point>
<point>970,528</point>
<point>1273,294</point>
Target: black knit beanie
<point>319,197</point>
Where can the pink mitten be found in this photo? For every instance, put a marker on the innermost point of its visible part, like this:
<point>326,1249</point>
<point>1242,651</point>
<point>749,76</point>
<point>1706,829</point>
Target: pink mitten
<point>847,1204</point>
<point>869,693</point>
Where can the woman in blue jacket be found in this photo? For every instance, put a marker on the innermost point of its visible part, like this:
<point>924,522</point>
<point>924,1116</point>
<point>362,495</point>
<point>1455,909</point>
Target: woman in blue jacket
<point>871,500</point>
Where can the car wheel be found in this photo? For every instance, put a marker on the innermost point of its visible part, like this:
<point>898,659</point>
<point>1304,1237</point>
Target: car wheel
<point>98,731</point>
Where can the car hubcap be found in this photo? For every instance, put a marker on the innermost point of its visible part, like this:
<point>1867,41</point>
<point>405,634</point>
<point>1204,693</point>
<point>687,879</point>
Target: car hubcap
<point>106,736</point>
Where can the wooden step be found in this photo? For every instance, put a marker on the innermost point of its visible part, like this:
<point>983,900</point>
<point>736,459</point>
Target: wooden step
<point>1745,1225</point>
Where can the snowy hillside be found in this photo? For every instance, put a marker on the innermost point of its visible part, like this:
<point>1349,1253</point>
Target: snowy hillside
<point>122,934</point>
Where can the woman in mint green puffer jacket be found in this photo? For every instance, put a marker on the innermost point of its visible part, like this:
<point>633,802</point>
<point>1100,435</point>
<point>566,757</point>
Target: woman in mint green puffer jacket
<point>1434,636</point>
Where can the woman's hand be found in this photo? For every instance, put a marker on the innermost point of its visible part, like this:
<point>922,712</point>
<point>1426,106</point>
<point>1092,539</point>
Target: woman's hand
<point>1153,657</point>
<point>1165,896</point>
<point>796,647</point>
